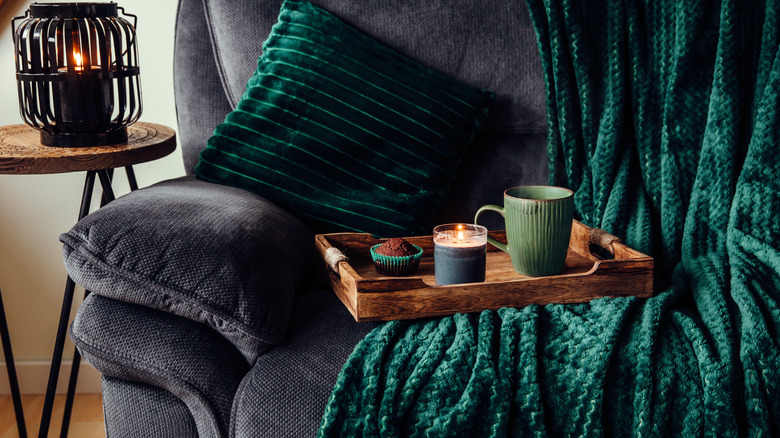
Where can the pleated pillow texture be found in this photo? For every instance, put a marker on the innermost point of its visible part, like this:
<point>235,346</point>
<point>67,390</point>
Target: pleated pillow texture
<point>343,131</point>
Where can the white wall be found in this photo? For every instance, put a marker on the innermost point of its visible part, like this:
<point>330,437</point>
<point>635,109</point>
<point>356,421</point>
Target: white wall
<point>36,209</point>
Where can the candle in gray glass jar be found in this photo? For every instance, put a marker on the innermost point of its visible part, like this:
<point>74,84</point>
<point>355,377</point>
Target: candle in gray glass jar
<point>459,253</point>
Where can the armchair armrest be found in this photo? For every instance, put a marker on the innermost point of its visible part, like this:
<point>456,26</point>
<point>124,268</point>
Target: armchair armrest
<point>214,254</point>
<point>187,359</point>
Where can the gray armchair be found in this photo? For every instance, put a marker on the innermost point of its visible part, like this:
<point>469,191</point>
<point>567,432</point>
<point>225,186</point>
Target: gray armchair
<point>208,317</point>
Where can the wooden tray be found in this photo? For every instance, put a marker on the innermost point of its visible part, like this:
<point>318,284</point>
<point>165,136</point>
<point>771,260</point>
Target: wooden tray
<point>597,265</point>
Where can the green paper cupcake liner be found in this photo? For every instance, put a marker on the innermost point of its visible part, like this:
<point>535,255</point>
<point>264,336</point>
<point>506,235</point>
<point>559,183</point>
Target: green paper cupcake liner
<point>396,266</point>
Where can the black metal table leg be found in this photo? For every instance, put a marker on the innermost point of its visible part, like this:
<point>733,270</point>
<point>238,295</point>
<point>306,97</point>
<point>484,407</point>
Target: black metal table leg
<point>105,177</point>
<point>105,183</point>
<point>11,368</point>
<point>131,178</point>
<point>62,326</point>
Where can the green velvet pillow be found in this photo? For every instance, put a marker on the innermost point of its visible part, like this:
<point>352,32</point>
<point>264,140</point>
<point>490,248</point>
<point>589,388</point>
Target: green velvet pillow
<point>344,131</point>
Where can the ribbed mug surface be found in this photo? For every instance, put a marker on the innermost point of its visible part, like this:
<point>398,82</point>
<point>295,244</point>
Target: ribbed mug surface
<point>538,226</point>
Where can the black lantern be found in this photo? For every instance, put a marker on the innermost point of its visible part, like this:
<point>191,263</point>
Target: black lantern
<point>77,72</point>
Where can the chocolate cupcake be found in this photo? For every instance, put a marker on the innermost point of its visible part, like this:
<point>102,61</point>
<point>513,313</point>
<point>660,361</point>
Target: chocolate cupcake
<point>396,257</point>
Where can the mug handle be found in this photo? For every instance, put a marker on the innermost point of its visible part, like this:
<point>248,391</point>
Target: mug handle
<point>499,210</point>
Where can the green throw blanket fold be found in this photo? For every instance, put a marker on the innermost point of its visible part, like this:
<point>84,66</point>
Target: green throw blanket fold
<point>664,120</point>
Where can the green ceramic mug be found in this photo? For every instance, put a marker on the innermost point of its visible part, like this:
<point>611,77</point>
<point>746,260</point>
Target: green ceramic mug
<point>538,226</point>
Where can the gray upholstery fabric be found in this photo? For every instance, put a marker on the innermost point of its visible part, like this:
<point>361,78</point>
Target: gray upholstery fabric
<point>484,44</point>
<point>487,44</point>
<point>157,412</point>
<point>186,358</point>
<point>486,172</point>
<point>490,44</point>
<point>201,103</point>
<point>211,253</point>
<point>286,391</point>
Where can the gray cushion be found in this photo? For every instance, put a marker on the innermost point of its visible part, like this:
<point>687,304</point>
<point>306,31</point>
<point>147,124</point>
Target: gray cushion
<point>186,358</point>
<point>285,393</point>
<point>214,254</point>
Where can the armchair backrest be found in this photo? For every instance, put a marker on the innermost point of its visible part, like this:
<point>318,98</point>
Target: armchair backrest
<point>490,44</point>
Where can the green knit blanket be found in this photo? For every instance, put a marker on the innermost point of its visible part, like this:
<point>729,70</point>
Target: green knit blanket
<point>665,120</point>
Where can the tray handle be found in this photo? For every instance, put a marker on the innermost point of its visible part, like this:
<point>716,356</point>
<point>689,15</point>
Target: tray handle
<point>601,242</point>
<point>603,239</point>
<point>333,256</point>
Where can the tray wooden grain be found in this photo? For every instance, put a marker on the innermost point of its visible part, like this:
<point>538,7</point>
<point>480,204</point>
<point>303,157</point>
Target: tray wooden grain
<point>597,265</point>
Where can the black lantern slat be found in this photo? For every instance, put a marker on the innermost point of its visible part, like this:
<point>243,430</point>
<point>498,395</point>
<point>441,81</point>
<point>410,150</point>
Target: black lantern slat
<point>77,72</point>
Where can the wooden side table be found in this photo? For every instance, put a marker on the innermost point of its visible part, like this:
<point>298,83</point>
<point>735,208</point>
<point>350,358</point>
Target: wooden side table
<point>22,153</point>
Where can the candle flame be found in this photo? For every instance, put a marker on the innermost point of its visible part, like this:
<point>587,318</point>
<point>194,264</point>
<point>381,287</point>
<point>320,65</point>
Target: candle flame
<point>460,236</point>
<point>79,61</point>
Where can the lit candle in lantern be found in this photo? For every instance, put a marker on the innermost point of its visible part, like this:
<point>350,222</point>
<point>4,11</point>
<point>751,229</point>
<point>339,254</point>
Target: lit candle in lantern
<point>83,95</point>
<point>459,253</point>
<point>79,61</point>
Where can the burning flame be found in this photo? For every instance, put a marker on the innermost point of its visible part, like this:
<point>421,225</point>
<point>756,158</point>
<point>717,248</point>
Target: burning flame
<point>460,233</point>
<point>79,61</point>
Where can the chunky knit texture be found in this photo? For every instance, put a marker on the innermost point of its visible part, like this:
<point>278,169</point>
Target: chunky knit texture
<point>664,120</point>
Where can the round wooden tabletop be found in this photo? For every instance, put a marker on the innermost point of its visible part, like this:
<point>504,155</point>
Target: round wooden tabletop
<point>21,151</point>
